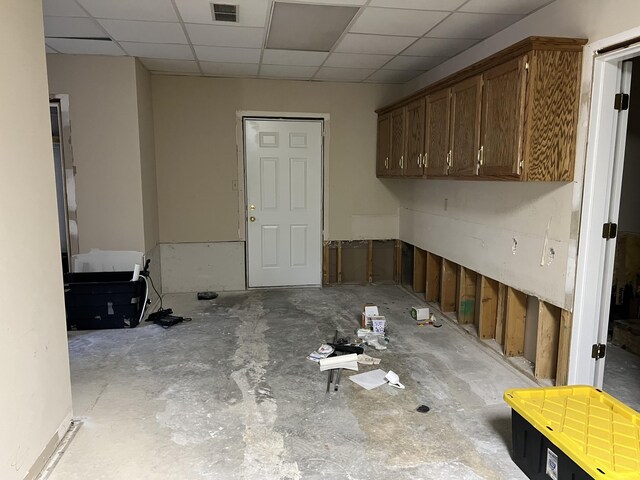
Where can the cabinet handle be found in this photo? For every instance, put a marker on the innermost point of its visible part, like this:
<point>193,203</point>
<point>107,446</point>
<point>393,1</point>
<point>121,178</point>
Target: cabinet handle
<point>420,160</point>
<point>425,160</point>
<point>401,161</point>
<point>449,161</point>
<point>481,155</point>
<point>386,163</point>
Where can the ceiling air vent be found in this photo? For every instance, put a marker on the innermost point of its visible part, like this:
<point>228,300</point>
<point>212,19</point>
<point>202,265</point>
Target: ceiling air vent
<point>223,12</point>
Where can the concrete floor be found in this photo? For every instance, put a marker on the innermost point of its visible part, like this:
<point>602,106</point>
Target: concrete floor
<point>231,395</point>
<point>622,376</point>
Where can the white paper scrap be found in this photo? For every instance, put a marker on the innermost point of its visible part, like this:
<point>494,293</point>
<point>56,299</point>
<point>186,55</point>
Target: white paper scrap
<point>370,380</point>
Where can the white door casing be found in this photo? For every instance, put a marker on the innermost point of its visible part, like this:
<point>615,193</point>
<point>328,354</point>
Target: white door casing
<point>284,202</point>
<point>600,202</point>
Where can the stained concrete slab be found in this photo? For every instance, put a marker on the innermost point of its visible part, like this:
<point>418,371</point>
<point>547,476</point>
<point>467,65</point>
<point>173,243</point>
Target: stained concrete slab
<point>622,376</point>
<point>231,395</point>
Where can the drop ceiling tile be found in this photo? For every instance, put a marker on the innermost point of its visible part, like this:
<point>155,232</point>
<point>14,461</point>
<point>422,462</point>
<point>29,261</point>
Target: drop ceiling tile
<point>445,5</point>
<point>230,69</point>
<point>376,44</point>
<point>343,74</point>
<point>387,21</point>
<point>62,8</point>
<point>413,63</point>
<point>158,50</point>
<point>71,27</point>
<point>251,13</point>
<point>293,57</point>
<point>227,54</point>
<point>288,71</point>
<point>331,2</point>
<point>173,66</point>
<point>151,10</point>
<point>81,46</point>
<point>147,32</point>
<point>472,25</point>
<point>439,47</point>
<point>357,60</point>
<point>393,76</point>
<point>223,36</point>
<point>523,7</point>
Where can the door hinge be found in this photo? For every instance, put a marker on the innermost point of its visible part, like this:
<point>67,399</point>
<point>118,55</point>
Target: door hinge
<point>621,101</point>
<point>609,230</point>
<point>598,350</point>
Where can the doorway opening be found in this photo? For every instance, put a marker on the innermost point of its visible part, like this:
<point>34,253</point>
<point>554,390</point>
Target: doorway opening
<point>283,161</point>
<point>605,285</point>
<point>65,179</point>
<point>621,375</point>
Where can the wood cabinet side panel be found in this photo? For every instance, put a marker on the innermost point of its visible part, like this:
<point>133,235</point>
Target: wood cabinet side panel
<point>552,115</point>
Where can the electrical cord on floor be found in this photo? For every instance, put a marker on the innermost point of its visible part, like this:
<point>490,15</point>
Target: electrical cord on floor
<point>155,290</point>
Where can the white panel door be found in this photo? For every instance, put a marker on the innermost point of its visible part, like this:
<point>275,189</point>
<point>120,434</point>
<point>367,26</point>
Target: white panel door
<point>284,202</point>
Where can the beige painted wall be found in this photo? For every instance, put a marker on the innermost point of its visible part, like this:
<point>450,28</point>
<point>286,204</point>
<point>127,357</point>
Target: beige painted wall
<point>195,125</point>
<point>35,402</point>
<point>147,157</point>
<point>481,221</point>
<point>106,145</point>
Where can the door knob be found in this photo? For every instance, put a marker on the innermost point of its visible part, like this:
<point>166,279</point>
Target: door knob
<point>252,207</point>
<point>252,219</point>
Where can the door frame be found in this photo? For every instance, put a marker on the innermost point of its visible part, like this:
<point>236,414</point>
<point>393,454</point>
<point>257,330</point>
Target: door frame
<point>241,115</point>
<point>593,284</point>
<point>68,177</point>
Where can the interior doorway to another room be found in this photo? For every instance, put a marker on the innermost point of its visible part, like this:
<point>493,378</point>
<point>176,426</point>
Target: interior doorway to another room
<point>65,179</point>
<point>622,365</point>
<point>594,359</point>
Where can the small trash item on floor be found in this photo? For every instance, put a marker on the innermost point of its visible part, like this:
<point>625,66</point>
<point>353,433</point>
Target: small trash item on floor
<point>378,324</point>
<point>420,313</point>
<point>368,311</point>
<point>323,352</point>
<point>369,380</point>
<point>375,340</point>
<point>349,361</point>
<point>431,321</point>
<point>422,409</point>
<point>393,379</point>
<point>166,319</point>
<point>363,332</point>
<point>207,295</point>
<point>365,359</point>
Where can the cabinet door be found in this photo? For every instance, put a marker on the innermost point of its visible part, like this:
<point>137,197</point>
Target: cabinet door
<point>503,119</point>
<point>437,141</point>
<point>396,162</point>
<point>413,165</point>
<point>384,145</point>
<point>464,143</point>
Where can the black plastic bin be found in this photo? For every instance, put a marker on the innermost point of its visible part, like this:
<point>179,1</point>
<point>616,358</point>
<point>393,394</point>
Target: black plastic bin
<point>99,300</point>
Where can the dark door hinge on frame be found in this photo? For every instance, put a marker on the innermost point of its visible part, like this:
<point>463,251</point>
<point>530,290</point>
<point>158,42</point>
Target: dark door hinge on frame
<point>609,230</point>
<point>621,101</point>
<point>598,350</point>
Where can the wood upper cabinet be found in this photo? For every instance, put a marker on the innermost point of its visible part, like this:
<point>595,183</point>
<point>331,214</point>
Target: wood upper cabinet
<point>464,143</point>
<point>414,164</point>
<point>384,144</point>
<point>511,116</point>
<point>437,134</point>
<point>503,111</point>
<point>396,160</point>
